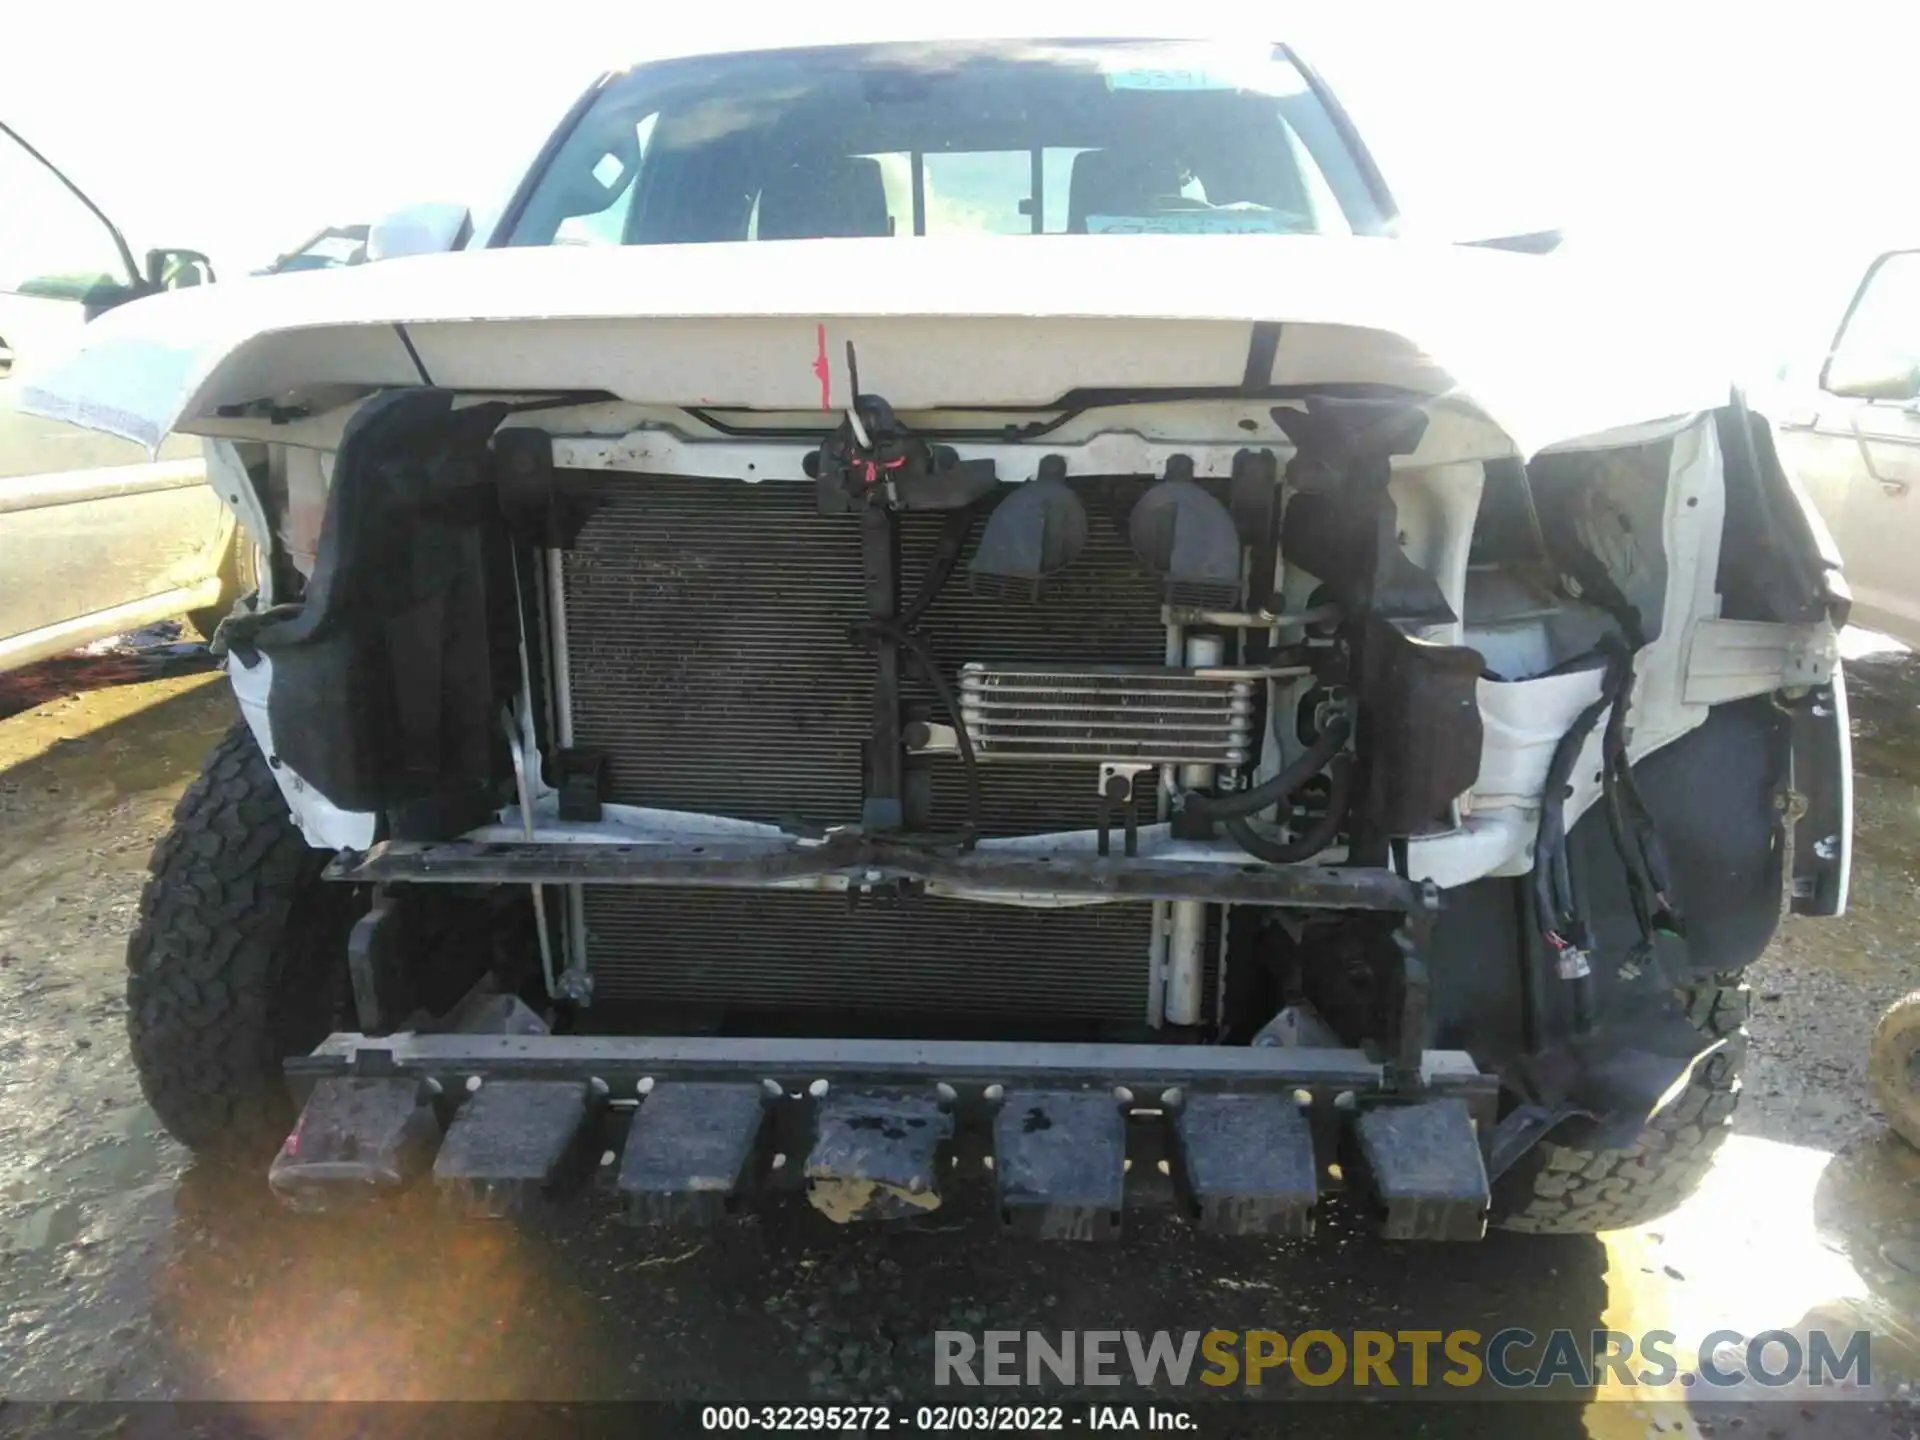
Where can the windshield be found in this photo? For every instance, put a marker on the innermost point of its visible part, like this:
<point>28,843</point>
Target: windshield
<point>897,141</point>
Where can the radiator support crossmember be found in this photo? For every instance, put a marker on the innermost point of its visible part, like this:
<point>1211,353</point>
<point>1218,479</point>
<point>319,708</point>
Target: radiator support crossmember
<point>864,862</point>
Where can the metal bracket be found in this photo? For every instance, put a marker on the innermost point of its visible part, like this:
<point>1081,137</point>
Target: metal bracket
<point>575,985</point>
<point>1523,1128</point>
<point>374,948</point>
<point>1407,1031</point>
<point>1117,779</point>
<point>927,737</point>
<point>1732,659</point>
<point>580,775</point>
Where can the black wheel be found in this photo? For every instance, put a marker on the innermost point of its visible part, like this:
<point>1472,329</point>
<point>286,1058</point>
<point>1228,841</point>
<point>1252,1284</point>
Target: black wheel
<point>238,960</point>
<point>239,577</point>
<point>1561,1188</point>
<point>1893,1067</point>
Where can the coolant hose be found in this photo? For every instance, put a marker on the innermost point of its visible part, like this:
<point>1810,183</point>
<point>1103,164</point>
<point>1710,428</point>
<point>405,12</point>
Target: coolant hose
<point>1310,842</point>
<point>1310,762</point>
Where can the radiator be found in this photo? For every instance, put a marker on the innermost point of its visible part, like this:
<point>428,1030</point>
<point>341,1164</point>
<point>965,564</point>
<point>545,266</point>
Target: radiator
<point>710,660</point>
<point>707,630</point>
<point>806,951</point>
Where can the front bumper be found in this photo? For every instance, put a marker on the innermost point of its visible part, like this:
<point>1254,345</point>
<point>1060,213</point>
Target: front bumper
<point>1068,1136</point>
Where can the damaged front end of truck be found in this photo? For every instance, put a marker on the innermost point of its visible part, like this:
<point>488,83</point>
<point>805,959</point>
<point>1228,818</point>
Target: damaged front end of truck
<point>877,748</point>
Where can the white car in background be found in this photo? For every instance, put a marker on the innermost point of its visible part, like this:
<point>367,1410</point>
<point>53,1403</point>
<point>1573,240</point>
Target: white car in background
<point>97,535</point>
<point>1854,444</point>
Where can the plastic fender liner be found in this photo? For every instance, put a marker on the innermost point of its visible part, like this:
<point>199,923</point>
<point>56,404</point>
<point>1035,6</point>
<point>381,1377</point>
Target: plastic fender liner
<point>395,623</point>
<point>1715,796</point>
<point>1420,730</point>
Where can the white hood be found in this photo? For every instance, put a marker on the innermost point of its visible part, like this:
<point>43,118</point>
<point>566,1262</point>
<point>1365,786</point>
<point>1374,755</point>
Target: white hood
<point>1549,350</point>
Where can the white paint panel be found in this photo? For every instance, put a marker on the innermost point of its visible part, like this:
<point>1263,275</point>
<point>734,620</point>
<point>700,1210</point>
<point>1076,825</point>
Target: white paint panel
<point>771,362</point>
<point>1548,352</point>
<point>325,825</point>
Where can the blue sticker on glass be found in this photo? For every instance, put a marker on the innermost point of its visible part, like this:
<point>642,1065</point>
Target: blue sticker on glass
<point>1194,222</point>
<point>1166,78</point>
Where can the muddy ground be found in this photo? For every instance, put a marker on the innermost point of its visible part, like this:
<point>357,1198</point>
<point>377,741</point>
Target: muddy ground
<point>129,1272</point>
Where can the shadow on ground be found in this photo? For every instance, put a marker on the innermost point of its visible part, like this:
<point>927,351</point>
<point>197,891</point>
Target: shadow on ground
<point>158,652</point>
<point>575,1305</point>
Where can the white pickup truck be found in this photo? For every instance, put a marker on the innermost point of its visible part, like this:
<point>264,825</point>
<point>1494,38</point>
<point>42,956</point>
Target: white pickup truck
<point>812,638</point>
<point>1854,443</point>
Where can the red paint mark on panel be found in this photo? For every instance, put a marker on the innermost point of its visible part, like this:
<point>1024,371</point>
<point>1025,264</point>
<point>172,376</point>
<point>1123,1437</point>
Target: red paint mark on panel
<point>821,370</point>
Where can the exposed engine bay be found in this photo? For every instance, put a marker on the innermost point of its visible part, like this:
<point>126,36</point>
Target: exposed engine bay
<point>1285,742</point>
<point>911,648</point>
<point>1339,668</point>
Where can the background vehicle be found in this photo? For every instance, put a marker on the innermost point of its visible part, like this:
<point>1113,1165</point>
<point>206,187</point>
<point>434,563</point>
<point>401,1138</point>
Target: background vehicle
<point>985,600</point>
<point>1854,443</point>
<point>97,534</point>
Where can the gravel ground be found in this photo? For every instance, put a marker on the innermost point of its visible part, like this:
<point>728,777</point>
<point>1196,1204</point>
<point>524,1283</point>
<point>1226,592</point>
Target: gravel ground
<point>129,1272</point>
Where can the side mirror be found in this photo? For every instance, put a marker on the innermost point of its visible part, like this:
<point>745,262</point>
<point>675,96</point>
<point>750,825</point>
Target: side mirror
<point>178,269</point>
<point>432,228</point>
<point>1866,376</point>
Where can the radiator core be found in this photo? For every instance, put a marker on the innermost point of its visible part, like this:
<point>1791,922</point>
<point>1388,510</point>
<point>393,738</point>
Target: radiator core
<point>783,950</point>
<point>708,631</point>
<point>710,658</point>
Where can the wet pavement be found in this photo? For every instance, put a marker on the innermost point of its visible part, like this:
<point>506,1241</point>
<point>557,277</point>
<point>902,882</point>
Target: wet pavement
<point>129,1272</point>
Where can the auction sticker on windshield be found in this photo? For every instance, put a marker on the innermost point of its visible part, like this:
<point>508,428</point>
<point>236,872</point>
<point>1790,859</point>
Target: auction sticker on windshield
<point>1192,222</point>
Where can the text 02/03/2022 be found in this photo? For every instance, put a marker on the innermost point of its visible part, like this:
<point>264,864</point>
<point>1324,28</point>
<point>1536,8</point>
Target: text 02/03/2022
<point>944,1419</point>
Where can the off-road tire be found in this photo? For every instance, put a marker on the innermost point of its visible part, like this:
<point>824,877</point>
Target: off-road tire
<point>1893,1067</point>
<point>238,959</point>
<point>1560,1188</point>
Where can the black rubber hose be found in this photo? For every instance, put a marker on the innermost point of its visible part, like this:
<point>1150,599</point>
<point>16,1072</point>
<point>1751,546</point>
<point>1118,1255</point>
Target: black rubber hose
<point>1317,837</point>
<point>1315,758</point>
<point>916,648</point>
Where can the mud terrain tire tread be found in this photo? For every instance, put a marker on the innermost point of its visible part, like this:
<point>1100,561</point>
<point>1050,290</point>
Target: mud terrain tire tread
<point>1562,1189</point>
<point>229,965</point>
